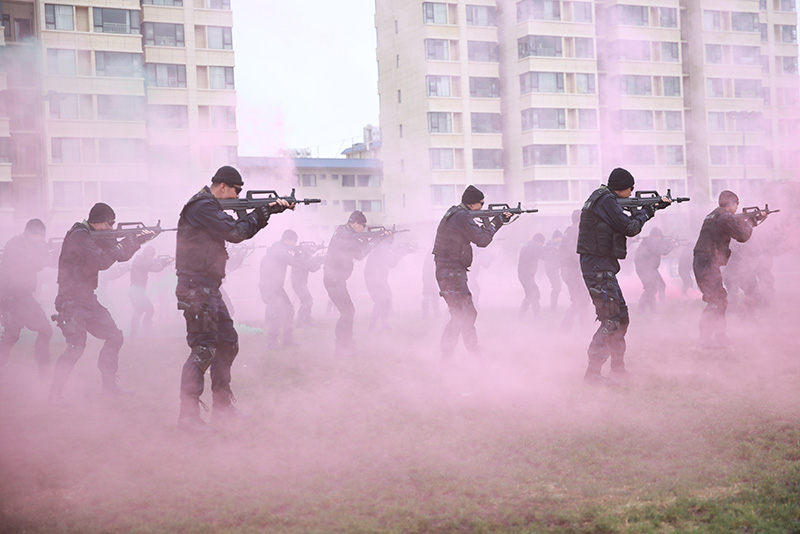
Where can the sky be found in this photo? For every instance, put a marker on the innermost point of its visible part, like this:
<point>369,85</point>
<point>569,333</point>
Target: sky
<point>306,74</point>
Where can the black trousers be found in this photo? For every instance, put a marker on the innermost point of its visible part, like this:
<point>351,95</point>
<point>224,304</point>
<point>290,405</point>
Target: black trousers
<point>278,314</point>
<point>709,279</point>
<point>453,288</point>
<point>337,291</point>
<point>23,311</point>
<point>612,312</point>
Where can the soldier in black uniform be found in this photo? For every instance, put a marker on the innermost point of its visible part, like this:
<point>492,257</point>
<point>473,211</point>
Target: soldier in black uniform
<point>84,254</point>
<point>23,257</point>
<point>385,256</point>
<point>452,253</point>
<point>279,315</point>
<point>345,248</point>
<point>200,259</point>
<point>530,255</point>
<point>307,261</point>
<point>141,267</point>
<point>647,261</point>
<point>711,252</point>
<point>552,267</point>
<point>603,230</point>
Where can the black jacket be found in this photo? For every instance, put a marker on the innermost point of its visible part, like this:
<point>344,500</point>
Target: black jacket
<point>719,227</point>
<point>345,248</point>
<point>454,237</point>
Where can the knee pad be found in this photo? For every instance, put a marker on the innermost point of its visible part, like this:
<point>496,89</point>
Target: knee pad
<point>227,352</point>
<point>610,325</point>
<point>202,356</point>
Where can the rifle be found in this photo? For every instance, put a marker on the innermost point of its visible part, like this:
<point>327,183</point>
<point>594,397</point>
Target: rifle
<point>756,214</point>
<point>165,259</point>
<point>309,247</point>
<point>499,209</point>
<point>54,244</point>
<point>129,229</point>
<point>649,198</point>
<point>371,233</point>
<point>254,199</point>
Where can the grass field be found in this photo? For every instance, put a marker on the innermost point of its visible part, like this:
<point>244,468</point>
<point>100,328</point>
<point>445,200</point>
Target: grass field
<point>393,441</point>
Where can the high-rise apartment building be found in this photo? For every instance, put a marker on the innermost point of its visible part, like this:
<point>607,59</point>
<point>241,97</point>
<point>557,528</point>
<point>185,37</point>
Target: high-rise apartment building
<point>124,101</point>
<point>536,100</point>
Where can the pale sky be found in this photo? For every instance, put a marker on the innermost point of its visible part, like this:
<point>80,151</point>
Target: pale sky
<point>306,74</point>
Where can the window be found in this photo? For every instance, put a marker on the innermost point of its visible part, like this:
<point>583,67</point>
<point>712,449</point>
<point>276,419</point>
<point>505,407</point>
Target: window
<point>438,85</point>
<point>541,82</point>
<point>67,194</point>
<point>482,51</point>
<point>788,5</point>
<point>746,55</point>
<point>671,85</point>
<point>163,34</point>
<point>369,205</point>
<point>61,62</point>
<point>538,10</point>
<point>673,120</point>
<point>669,52</point>
<point>118,64</point>
<point>222,117</point>
<point>167,116</point>
<point>108,20</point>
<point>547,191</point>
<point>674,154</point>
<point>434,13</point>
<point>747,88</point>
<point>124,194</point>
<point>640,154</point>
<point>348,180</point>
<point>163,75</point>
<point>588,155</point>
<point>668,17</point>
<point>763,29</point>
<point>539,45</point>
<point>481,16</point>
<point>633,50</point>
<point>584,84</point>
<point>637,119</point>
<point>368,180</point>
<point>714,88</point>
<point>587,119</point>
<point>716,121</point>
<point>218,4</point>
<point>789,64</point>
<point>744,22</point>
<point>713,53</point>
<point>788,34</point>
<point>718,155</point>
<point>6,191</point>
<point>440,122</point>
<point>486,122</point>
<point>220,77</point>
<point>633,15</point>
<point>584,47</point>
<point>441,158</point>
<point>582,12</point>
<point>487,158</point>
<point>120,108</point>
<point>308,180</point>
<point>484,87</point>
<point>635,84</point>
<point>64,106</point>
<point>711,20</point>
<point>58,17</point>
<point>443,195</point>
<point>348,205</point>
<point>544,155</point>
<point>437,49</point>
<point>163,2</point>
<point>220,38</point>
<point>66,150</point>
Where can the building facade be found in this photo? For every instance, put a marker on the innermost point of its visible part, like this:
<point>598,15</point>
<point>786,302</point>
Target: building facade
<point>536,100</point>
<point>124,101</point>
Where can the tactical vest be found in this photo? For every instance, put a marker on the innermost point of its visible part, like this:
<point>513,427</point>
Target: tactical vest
<point>714,240</point>
<point>595,236</point>
<point>450,245</point>
<point>76,276</point>
<point>197,252</point>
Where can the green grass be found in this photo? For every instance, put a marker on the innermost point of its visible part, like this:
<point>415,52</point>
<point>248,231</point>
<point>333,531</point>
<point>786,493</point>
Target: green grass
<point>392,442</point>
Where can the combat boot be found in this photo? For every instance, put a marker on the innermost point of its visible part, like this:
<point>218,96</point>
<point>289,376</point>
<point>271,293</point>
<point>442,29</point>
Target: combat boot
<point>189,417</point>
<point>593,377</point>
<point>224,411</point>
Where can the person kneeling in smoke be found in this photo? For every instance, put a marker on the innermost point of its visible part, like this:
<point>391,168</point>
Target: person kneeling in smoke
<point>84,254</point>
<point>200,260</point>
<point>602,234</point>
<point>452,253</point>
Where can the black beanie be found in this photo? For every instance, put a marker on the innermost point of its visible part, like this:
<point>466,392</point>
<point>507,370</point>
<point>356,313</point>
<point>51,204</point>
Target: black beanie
<point>35,226</point>
<point>289,235</point>
<point>227,175</point>
<point>620,179</point>
<point>727,198</point>
<point>471,195</point>
<point>101,213</point>
<point>357,217</point>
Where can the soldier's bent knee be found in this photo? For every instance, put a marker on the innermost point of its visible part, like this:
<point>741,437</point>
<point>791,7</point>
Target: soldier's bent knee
<point>202,356</point>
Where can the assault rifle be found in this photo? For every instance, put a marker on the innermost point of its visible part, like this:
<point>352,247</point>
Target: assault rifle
<point>309,247</point>
<point>129,229</point>
<point>165,259</point>
<point>262,197</point>
<point>649,198</point>
<point>371,233</point>
<point>54,244</point>
<point>493,210</point>
<point>756,214</point>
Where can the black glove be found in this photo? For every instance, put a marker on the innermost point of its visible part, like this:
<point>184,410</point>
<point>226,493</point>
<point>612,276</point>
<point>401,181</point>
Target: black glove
<point>498,221</point>
<point>649,210</point>
<point>262,216</point>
